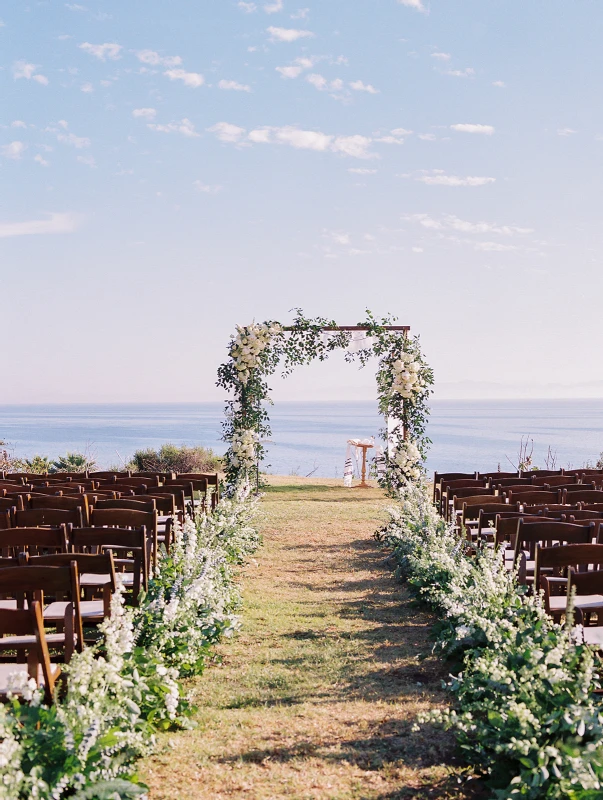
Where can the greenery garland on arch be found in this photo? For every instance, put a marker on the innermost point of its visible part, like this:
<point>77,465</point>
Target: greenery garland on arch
<point>404,383</point>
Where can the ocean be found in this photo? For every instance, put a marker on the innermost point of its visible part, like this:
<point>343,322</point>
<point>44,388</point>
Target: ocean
<point>310,438</point>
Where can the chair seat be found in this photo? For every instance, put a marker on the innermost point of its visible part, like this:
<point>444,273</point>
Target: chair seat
<point>90,580</point>
<point>593,636</point>
<point>11,642</point>
<point>89,608</point>
<point>585,602</point>
<point>8,670</point>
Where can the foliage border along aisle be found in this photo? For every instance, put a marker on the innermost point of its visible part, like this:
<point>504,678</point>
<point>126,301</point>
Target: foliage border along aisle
<point>123,691</point>
<point>526,715</point>
<point>404,381</point>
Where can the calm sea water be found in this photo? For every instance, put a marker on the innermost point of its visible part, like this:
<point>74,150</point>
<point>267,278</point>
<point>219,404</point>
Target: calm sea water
<point>311,437</point>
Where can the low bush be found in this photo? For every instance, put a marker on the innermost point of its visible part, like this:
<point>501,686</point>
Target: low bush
<point>171,458</point>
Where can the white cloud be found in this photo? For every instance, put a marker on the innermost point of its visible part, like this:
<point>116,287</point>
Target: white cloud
<point>428,137</point>
<point>145,113</point>
<point>2,24</point>
<point>494,247</point>
<point>191,79</point>
<point>288,34</point>
<point>234,86</point>
<point>353,146</point>
<point>75,7</point>
<point>453,223</point>
<point>438,178</point>
<point>396,136</point>
<point>417,4</point>
<point>248,8</point>
<point>301,13</point>
<point>109,50</point>
<point>21,69</point>
<point>301,139</point>
<point>468,72</point>
<point>14,150</point>
<point>417,249</point>
<point>86,88</point>
<point>185,127</point>
<point>79,142</point>
<point>361,171</point>
<point>274,8</point>
<point>41,161</point>
<point>18,123</point>
<point>206,188</point>
<point>56,223</point>
<point>89,161</point>
<point>359,86</point>
<point>565,131</point>
<point>155,60</point>
<point>441,56</point>
<point>227,132</point>
<point>318,81</point>
<point>500,84</point>
<point>295,69</point>
<point>466,127</point>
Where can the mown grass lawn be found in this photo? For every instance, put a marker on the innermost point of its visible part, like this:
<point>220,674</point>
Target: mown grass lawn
<point>316,697</point>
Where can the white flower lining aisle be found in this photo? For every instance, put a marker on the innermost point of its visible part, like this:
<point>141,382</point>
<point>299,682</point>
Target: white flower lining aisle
<point>526,714</point>
<point>124,690</point>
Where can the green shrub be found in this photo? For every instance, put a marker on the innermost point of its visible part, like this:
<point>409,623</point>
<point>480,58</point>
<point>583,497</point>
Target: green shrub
<point>73,462</point>
<point>170,458</point>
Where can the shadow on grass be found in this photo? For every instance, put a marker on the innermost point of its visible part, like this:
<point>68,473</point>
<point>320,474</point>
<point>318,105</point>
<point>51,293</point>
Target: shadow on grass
<point>391,743</point>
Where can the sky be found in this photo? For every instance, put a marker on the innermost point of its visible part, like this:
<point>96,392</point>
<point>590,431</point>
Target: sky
<point>169,170</point>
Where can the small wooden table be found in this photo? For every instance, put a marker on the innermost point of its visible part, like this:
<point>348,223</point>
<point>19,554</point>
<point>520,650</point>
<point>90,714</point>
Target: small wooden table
<point>363,484</point>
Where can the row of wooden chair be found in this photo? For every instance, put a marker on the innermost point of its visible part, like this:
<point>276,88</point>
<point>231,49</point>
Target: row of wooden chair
<point>497,482</point>
<point>205,485</point>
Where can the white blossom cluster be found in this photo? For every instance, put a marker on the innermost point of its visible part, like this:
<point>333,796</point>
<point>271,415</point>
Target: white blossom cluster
<point>407,376</point>
<point>249,342</point>
<point>407,457</point>
<point>243,448</point>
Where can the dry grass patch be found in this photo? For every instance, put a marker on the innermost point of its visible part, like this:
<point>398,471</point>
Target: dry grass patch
<point>316,697</point>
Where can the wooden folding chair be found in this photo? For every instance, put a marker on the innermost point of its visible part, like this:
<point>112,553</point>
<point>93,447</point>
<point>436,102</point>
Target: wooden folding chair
<point>46,517</point>
<point>545,533</point>
<point>28,624</point>
<point>438,477</point>
<point>130,547</point>
<point>33,540</point>
<point>586,496</point>
<point>93,612</point>
<point>37,582</point>
<point>557,560</point>
<point>64,503</point>
<point>530,497</point>
<point>128,518</point>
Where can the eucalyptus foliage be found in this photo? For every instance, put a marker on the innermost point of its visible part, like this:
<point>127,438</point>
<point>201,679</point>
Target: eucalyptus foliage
<point>256,351</point>
<point>526,714</point>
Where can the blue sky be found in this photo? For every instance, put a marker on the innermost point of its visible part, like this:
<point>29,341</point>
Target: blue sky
<point>169,170</point>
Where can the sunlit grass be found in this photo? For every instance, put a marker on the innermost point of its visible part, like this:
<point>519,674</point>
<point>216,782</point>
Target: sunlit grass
<point>316,696</point>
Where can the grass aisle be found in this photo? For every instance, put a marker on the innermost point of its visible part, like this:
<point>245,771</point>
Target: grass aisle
<point>316,697</point>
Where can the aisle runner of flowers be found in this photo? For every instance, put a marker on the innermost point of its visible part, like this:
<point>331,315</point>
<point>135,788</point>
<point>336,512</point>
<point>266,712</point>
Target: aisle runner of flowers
<point>123,691</point>
<point>526,713</point>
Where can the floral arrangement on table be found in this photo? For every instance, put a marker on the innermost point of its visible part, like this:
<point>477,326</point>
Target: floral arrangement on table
<point>526,716</point>
<point>404,382</point>
<point>127,688</point>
